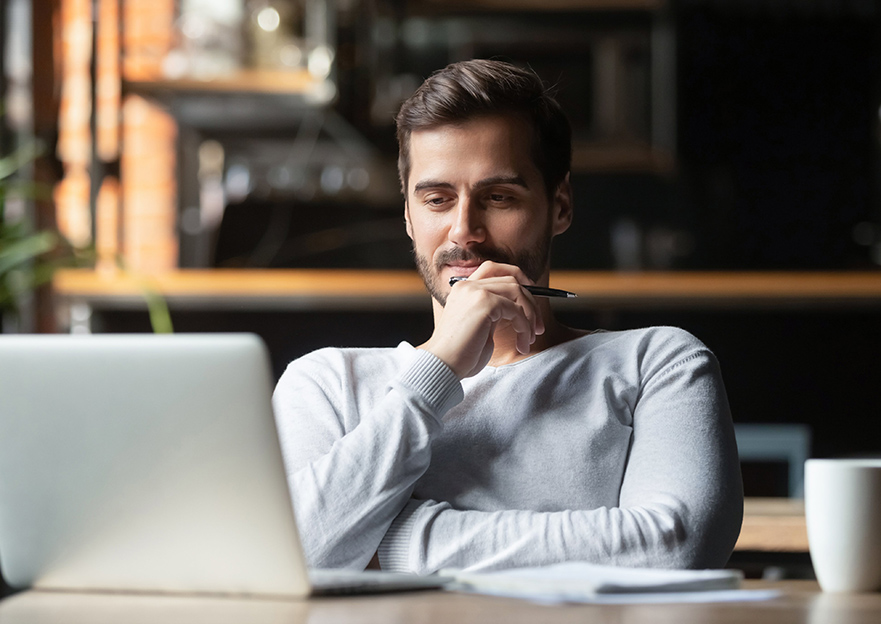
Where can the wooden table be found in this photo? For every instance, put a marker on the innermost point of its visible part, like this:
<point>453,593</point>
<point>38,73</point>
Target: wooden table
<point>799,602</point>
<point>773,525</point>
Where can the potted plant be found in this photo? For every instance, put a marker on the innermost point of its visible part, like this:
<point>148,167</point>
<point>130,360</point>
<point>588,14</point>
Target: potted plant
<point>22,250</point>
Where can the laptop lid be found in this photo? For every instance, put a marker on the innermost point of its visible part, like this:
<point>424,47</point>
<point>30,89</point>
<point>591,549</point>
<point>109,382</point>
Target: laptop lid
<point>144,463</point>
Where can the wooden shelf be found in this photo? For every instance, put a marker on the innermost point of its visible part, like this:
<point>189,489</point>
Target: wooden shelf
<point>721,289</point>
<point>272,82</point>
<point>396,289</point>
<point>254,289</point>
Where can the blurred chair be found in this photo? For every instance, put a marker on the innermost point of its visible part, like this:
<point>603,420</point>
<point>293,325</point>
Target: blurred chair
<point>789,443</point>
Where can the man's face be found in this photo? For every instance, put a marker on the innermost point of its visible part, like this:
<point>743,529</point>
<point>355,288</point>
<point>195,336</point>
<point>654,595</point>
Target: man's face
<point>474,194</point>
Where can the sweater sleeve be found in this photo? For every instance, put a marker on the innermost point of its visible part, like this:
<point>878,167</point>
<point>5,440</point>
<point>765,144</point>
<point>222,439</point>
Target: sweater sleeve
<point>680,503</point>
<point>348,485</point>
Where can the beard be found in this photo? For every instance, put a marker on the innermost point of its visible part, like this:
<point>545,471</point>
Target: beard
<point>533,263</point>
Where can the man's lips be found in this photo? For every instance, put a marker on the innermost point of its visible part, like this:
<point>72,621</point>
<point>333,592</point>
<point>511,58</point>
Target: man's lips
<point>463,269</point>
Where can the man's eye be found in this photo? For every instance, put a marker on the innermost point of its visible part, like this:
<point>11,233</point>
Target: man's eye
<point>498,198</point>
<point>436,201</point>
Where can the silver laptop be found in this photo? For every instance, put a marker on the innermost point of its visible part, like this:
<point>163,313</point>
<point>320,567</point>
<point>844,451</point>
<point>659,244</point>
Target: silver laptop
<point>150,463</point>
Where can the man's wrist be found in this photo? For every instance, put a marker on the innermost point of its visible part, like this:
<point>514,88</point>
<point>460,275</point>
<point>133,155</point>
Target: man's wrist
<point>444,357</point>
<point>434,380</point>
<point>394,550</point>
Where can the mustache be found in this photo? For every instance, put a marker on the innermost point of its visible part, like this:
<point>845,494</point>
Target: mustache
<point>480,254</point>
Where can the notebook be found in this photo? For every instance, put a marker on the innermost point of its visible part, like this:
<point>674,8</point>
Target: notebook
<point>150,463</point>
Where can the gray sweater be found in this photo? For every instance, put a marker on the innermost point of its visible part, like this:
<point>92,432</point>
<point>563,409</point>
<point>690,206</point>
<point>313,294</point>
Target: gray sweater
<point>613,448</point>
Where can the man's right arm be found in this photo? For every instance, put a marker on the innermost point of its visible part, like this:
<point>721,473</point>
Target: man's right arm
<point>352,462</point>
<point>351,471</point>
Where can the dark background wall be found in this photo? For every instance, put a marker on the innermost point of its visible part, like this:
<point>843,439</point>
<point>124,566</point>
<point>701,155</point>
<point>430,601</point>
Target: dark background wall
<point>779,136</point>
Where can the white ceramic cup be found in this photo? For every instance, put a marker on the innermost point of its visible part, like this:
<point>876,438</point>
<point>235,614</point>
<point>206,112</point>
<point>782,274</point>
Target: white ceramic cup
<point>843,513</point>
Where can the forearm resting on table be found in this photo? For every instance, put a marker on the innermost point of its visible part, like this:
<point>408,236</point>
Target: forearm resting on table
<point>428,536</point>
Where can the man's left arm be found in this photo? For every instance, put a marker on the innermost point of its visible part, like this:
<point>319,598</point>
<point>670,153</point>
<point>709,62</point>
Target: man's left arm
<point>680,503</point>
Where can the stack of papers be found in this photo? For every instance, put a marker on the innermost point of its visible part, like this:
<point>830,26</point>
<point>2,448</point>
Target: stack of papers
<point>586,582</point>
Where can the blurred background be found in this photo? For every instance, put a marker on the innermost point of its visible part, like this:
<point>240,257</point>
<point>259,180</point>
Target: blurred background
<point>196,137</point>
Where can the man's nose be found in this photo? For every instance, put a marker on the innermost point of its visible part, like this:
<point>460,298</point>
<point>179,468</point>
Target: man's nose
<point>468,226</point>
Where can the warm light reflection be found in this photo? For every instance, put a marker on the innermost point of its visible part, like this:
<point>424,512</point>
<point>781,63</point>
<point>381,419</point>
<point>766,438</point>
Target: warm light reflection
<point>107,81</point>
<point>149,186</point>
<point>320,62</point>
<point>268,19</point>
<point>74,146</point>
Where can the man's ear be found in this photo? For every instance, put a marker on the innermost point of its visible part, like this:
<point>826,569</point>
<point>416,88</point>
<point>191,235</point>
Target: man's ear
<point>562,207</point>
<point>407,219</point>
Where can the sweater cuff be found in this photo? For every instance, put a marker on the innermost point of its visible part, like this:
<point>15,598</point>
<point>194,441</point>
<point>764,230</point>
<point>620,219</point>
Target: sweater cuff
<point>394,549</point>
<point>434,381</point>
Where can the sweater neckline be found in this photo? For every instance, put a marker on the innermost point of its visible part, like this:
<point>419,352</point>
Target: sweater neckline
<point>541,354</point>
<point>532,358</point>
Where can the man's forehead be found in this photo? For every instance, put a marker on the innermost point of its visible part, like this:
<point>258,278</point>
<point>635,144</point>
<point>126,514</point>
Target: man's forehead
<point>483,148</point>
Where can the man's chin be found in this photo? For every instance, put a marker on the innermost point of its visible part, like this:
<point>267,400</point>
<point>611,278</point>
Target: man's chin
<point>432,280</point>
<point>437,292</point>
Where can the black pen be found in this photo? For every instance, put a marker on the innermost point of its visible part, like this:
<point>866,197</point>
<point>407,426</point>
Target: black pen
<point>538,291</point>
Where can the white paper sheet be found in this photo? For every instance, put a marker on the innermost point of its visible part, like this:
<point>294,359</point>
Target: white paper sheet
<point>585,582</point>
<point>552,598</point>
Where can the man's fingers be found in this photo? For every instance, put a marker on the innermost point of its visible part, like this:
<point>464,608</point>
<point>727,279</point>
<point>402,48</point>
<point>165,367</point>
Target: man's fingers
<point>504,301</point>
<point>488,271</point>
<point>493,294</point>
<point>520,322</point>
<point>507,287</point>
<point>496,269</point>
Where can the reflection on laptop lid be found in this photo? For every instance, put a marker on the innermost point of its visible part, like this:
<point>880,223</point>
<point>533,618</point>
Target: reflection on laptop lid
<point>146,463</point>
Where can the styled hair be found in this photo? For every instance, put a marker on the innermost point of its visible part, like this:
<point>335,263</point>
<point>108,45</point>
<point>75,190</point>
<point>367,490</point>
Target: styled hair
<point>470,89</point>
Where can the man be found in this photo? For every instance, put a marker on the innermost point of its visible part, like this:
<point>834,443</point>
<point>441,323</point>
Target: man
<point>506,439</point>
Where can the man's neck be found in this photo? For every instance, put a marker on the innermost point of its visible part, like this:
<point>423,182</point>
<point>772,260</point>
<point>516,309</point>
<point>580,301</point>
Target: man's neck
<point>505,340</point>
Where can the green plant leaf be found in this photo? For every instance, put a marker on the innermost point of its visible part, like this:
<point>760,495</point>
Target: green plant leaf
<point>16,160</point>
<point>157,309</point>
<point>25,188</point>
<point>25,249</point>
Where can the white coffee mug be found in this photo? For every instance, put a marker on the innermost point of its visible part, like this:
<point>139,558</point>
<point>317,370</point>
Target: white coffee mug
<point>843,513</point>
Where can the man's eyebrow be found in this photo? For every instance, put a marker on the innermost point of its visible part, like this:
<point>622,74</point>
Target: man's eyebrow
<point>517,180</point>
<point>424,184</point>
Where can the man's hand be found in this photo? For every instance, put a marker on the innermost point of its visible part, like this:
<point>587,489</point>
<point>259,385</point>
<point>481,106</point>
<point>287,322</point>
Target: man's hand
<point>489,300</point>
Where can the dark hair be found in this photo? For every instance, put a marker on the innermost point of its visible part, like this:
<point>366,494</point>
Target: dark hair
<point>469,89</point>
